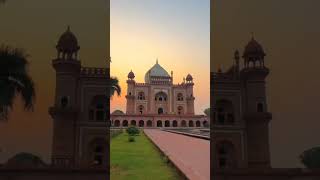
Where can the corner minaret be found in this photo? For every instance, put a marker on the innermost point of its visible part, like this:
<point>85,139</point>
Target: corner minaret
<point>190,97</point>
<point>255,109</point>
<point>64,111</point>
<point>130,93</point>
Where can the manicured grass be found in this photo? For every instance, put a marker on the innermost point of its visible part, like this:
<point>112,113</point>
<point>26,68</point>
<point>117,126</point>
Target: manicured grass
<point>139,160</point>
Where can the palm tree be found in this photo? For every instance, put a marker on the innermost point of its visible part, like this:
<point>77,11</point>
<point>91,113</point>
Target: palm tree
<point>14,79</point>
<point>114,86</point>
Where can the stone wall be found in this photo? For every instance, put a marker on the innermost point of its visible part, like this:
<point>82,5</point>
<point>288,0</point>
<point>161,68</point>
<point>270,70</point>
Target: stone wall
<point>53,174</point>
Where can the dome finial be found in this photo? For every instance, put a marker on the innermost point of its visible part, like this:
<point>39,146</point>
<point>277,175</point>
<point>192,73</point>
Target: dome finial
<point>157,61</point>
<point>252,35</point>
<point>68,28</point>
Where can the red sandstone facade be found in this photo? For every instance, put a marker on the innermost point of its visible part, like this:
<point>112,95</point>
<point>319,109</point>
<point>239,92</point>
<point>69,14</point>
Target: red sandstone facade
<point>79,112</point>
<point>159,103</point>
<point>240,113</point>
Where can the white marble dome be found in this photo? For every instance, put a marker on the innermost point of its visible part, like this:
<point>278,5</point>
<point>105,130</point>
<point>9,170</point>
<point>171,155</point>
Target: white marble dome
<point>156,71</point>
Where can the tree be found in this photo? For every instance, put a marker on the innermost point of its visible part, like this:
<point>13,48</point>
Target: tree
<point>14,79</point>
<point>132,130</point>
<point>311,158</point>
<point>207,112</point>
<point>114,86</point>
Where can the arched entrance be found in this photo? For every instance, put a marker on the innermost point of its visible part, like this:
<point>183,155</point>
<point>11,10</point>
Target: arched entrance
<point>141,123</point>
<point>159,123</point>
<point>116,123</point>
<point>97,151</point>
<point>174,123</point>
<point>160,110</point>
<point>133,123</point>
<point>205,123</point>
<point>167,123</point>
<point>183,123</point>
<point>198,124</point>
<point>191,123</point>
<point>125,123</point>
<point>149,123</point>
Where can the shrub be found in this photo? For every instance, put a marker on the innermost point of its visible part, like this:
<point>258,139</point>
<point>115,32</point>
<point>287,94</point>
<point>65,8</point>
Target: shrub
<point>166,159</point>
<point>311,158</point>
<point>131,139</point>
<point>132,130</point>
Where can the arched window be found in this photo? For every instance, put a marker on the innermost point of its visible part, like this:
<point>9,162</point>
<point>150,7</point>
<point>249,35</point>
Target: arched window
<point>141,96</point>
<point>97,151</point>
<point>97,109</point>
<point>180,110</point>
<point>64,101</point>
<point>161,96</point>
<point>100,112</point>
<point>179,97</point>
<point>98,155</point>
<point>141,109</point>
<point>225,112</point>
<point>260,107</point>
<point>160,111</point>
<point>226,155</point>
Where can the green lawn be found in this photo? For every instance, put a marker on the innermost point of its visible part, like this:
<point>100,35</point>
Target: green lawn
<point>138,160</point>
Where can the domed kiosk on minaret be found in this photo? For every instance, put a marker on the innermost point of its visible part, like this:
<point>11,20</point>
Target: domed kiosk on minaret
<point>67,46</point>
<point>253,54</point>
<point>131,75</point>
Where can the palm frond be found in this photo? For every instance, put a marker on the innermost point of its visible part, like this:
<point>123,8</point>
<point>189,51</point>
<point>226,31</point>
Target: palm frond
<point>14,78</point>
<point>114,86</point>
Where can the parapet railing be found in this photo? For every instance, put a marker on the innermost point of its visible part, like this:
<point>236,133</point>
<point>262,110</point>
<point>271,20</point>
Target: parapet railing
<point>93,71</point>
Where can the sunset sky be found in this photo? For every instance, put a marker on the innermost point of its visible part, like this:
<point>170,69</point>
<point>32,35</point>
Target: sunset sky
<point>141,32</point>
<point>36,26</point>
<point>177,32</point>
<point>178,35</point>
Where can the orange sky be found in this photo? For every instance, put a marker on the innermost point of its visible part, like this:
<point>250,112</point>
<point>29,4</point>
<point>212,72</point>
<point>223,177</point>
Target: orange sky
<point>289,32</point>
<point>177,33</point>
<point>36,25</point>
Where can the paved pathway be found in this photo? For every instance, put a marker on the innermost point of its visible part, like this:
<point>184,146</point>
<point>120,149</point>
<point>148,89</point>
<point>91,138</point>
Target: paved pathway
<point>190,155</point>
